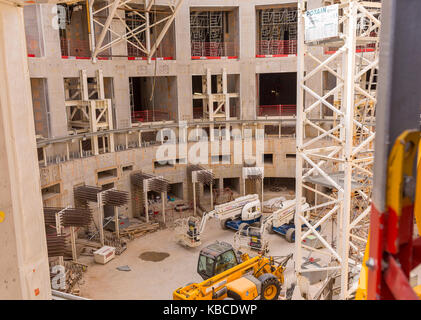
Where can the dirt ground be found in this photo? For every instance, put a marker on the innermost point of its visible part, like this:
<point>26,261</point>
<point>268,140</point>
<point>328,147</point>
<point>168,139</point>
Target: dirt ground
<point>158,280</point>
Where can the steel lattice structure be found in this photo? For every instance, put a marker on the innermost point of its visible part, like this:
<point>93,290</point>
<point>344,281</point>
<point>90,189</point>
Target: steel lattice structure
<point>337,177</point>
<point>132,33</point>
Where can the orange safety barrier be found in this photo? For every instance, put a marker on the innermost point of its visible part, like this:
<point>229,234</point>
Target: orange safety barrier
<point>150,116</point>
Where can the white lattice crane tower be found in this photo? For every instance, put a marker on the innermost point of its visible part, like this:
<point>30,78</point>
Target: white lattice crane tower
<point>335,133</point>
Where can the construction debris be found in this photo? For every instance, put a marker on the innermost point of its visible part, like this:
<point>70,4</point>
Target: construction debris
<point>73,275</point>
<point>124,268</point>
<point>139,230</point>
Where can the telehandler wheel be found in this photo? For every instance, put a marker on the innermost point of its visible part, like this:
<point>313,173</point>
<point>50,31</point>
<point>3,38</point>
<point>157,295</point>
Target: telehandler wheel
<point>223,224</point>
<point>270,287</point>
<point>233,295</point>
<point>289,236</point>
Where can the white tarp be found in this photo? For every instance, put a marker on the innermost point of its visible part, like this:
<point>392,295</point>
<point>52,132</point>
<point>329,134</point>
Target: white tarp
<point>321,23</point>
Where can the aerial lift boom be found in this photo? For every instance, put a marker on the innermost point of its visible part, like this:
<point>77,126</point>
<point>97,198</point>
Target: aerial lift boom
<point>232,215</point>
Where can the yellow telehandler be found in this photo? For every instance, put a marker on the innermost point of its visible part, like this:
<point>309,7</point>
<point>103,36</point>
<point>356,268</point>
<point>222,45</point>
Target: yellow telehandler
<point>228,276</point>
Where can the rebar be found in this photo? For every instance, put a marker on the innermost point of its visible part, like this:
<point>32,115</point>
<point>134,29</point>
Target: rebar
<point>56,245</point>
<point>77,217</point>
<point>151,182</point>
<point>50,216</point>
<point>86,193</point>
<point>115,198</point>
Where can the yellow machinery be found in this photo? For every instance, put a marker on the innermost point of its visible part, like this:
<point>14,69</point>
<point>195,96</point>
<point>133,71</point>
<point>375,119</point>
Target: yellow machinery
<point>397,248</point>
<point>227,276</point>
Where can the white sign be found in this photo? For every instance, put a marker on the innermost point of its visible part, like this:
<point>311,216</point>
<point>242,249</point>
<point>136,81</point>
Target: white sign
<point>321,23</point>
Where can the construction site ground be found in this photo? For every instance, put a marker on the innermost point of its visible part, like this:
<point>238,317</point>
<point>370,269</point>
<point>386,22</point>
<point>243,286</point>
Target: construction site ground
<point>158,280</point>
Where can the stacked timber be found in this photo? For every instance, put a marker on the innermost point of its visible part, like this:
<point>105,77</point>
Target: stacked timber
<point>135,231</point>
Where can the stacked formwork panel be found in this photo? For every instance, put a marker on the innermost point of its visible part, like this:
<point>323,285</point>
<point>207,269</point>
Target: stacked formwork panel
<point>336,179</point>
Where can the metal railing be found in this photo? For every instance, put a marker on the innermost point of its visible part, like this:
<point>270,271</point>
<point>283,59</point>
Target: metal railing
<point>277,110</point>
<point>276,47</point>
<point>213,49</point>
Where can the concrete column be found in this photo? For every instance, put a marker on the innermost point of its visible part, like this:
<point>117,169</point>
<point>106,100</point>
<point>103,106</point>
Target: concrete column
<point>183,56</point>
<point>24,273</point>
<point>247,12</point>
<point>55,81</point>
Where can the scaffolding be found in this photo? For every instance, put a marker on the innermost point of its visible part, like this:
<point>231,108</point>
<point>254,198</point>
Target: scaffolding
<point>278,31</point>
<point>216,106</point>
<point>207,33</point>
<point>87,115</point>
<point>334,163</point>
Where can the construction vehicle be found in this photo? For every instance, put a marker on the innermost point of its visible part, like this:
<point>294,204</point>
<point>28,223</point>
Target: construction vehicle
<point>282,220</point>
<point>251,239</point>
<point>243,210</point>
<point>227,276</point>
<point>393,251</point>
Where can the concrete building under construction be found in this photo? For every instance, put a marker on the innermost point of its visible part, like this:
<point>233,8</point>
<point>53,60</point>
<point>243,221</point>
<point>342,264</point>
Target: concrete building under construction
<point>126,124</point>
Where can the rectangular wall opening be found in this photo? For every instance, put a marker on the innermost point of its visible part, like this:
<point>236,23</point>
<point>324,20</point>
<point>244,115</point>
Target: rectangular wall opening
<point>127,169</point>
<point>176,191</point>
<point>268,158</point>
<point>276,30</point>
<point>199,94</point>
<point>104,175</point>
<point>164,164</point>
<point>275,184</point>
<point>232,183</point>
<point>214,32</point>
<point>162,106</point>
<point>74,38</point>
<point>50,191</point>
<point>277,94</point>
<point>108,210</point>
<point>40,107</point>
<point>271,130</point>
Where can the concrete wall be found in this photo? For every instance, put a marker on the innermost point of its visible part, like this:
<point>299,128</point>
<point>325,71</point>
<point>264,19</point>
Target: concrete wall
<point>52,67</point>
<point>120,69</point>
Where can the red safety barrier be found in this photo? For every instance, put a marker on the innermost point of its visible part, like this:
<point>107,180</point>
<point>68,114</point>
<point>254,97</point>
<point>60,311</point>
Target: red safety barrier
<point>277,110</point>
<point>144,58</point>
<point>213,50</point>
<point>150,116</point>
<point>276,48</point>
